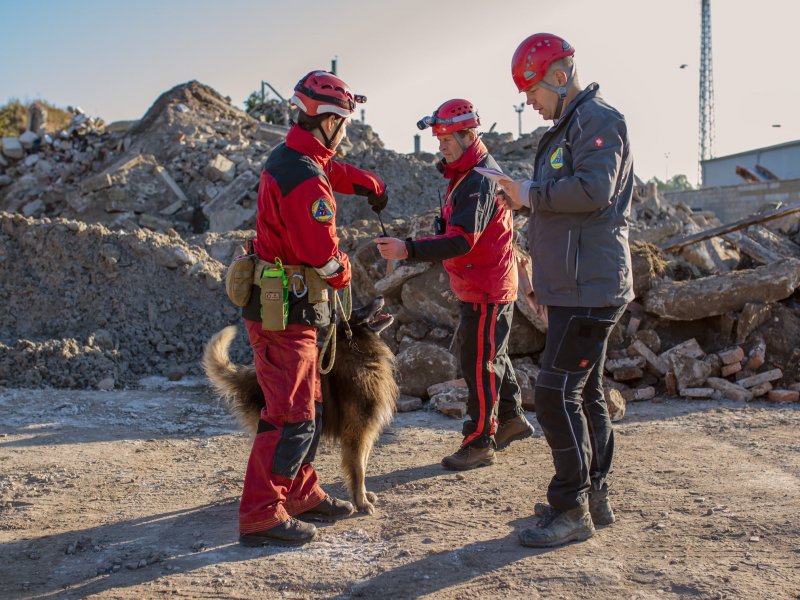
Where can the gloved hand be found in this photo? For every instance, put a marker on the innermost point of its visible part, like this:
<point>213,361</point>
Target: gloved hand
<point>378,203</point>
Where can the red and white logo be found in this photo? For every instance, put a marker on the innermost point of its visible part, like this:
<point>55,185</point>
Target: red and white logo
<point>599,142</point>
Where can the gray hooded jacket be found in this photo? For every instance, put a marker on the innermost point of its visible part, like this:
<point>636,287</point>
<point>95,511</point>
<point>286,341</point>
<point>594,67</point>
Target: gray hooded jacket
<point>580,199</point>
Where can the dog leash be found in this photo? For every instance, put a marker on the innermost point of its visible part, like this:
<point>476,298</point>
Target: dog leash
<point>344,310</point>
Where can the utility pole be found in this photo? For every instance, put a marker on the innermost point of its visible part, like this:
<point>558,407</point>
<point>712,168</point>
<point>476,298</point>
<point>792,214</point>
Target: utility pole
<point>519,110</point>
<point>706,89</point>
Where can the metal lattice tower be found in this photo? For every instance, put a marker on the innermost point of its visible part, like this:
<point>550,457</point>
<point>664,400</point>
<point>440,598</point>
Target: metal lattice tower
<point>706,89</point>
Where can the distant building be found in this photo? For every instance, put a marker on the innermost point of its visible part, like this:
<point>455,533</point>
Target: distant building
<point>781,161</point>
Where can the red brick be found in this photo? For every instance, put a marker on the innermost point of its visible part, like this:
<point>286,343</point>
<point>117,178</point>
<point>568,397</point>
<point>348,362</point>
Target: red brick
<point>730,369</point>
<point>731,355</point>
<point>783,396</point>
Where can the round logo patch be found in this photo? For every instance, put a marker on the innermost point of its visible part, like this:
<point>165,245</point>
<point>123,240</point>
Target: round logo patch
<point>321,211</point>
<point>557,158</point>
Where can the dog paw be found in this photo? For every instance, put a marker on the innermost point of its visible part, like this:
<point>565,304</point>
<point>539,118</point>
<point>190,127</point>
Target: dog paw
<point>372,497</point>
<point>367,508</point>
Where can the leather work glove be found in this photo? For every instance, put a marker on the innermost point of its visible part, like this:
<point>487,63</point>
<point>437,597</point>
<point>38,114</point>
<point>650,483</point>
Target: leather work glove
<point>378,203</point>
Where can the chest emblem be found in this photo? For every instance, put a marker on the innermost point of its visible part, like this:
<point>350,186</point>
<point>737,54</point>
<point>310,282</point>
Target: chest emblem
<point>321,211</point>
<point>557,158</point>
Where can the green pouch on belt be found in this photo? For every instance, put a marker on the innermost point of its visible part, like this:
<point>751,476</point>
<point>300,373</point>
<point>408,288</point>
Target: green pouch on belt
<point>274,297</point>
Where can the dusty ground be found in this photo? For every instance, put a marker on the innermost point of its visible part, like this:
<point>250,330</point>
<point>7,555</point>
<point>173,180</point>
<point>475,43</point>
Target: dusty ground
<point>134,495</point>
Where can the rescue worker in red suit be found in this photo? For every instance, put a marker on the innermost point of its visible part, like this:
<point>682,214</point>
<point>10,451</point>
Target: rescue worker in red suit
<point>296,223</point>
<point>475,248</point>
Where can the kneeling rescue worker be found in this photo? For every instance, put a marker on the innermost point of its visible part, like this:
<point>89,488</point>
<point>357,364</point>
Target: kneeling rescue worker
<point>474,243</point>
<point>297,249</point>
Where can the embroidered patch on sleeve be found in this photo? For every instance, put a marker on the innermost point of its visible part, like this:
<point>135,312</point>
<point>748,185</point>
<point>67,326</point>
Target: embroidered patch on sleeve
<point>599,142</point>
<point>321,211</point>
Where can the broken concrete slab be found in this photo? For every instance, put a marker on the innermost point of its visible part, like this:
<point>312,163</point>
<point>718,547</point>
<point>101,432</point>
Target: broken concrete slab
<point>771,375</point>
<point>718,294</point>
<point>688,347</point>
<point>730,390</point>
<point>753,315</point>
<point>220,168</point>
<point>28,139</point>
<point>408,403</point>
<point>393,282</point>
<point>653,362</point>
<point>12,148</point>
<point>615,402</point>
<point>689,372</point>
<point>421,365</point>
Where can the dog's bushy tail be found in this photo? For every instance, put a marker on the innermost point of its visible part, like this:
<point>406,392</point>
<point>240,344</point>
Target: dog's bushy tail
<point>237,385</point>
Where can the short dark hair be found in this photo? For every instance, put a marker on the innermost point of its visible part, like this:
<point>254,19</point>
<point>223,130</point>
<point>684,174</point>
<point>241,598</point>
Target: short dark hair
<point>310,123</point>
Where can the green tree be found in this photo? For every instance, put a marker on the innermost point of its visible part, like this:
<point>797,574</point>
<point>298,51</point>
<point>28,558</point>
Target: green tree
<point>676,183</point>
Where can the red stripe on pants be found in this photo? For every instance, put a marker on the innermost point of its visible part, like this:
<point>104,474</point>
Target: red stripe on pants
<point>479,380</point>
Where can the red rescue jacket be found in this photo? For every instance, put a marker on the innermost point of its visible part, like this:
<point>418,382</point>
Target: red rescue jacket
<point>296,219</point>
<point>476,249</point>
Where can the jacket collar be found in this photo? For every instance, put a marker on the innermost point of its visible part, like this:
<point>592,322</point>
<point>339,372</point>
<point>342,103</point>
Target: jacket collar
<point>472,156</point>
<point>589,92</point>
<point>304,142</point>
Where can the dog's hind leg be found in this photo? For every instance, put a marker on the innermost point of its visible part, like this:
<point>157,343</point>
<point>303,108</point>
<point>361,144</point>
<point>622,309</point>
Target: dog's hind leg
<point>355,453</point>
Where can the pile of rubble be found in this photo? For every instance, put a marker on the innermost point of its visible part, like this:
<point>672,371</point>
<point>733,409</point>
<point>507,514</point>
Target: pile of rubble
<point>115,238</point>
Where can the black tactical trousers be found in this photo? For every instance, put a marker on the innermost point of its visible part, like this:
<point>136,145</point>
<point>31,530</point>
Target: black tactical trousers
<point>493,389</point>
<point>570,404</point>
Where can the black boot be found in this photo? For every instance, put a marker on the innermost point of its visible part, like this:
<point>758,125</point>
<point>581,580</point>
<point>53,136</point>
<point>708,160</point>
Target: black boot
<point>288,533</point>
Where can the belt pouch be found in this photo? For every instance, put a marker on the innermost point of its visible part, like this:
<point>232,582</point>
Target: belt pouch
<point>274,299</point>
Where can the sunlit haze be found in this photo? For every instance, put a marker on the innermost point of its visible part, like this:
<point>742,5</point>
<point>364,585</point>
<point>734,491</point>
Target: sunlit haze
<point>114,59</point>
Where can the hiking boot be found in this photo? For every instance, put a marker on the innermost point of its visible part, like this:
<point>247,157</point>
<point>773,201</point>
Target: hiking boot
<point>469,457</point>
<point>556,528</point>
<point>600,507</point>
<point>330,509</point>
<point>512,430</point>
<point>288,533</point>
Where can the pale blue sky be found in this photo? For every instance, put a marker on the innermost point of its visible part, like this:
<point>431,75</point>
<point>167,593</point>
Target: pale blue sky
<point>114,58</point>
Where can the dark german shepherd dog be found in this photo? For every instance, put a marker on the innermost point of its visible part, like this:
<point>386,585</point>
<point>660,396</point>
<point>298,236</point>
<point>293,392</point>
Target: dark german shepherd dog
<point>359,394</point>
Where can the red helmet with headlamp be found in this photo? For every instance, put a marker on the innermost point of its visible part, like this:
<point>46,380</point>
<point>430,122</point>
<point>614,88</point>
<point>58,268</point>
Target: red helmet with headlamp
<point>321,92</point>
<point>454,115</point>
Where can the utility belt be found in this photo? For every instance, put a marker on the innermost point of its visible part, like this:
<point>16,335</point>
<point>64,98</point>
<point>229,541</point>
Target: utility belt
<point>281,294</point>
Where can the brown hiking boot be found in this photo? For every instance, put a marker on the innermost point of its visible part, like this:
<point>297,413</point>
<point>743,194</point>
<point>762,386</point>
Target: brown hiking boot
<point>512,430</point>
<point>556,528</point>
<point>288,533</point>
<point>469,457</point>
<point>330,509</point>
<point>600,507</point>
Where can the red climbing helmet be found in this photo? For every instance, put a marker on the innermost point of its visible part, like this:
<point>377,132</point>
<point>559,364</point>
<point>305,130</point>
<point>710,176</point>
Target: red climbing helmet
<point>321,92</point>
<point>454,115</point>
<point>534,56</point>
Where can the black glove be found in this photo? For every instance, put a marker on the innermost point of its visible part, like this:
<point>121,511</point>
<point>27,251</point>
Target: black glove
<point>378,203</point>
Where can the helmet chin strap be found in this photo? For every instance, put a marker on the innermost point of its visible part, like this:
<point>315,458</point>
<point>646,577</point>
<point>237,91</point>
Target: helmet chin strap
<point>329,140</point>
<point>561,91</point>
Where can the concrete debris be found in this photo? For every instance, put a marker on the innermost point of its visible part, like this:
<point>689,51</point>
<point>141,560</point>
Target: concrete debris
<point>143,217</point>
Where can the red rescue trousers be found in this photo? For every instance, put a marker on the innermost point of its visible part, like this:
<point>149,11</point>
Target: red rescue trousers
<point>280,481</point>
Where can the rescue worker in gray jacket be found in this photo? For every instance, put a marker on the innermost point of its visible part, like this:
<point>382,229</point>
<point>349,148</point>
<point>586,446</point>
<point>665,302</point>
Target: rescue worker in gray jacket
<point>579,199</point>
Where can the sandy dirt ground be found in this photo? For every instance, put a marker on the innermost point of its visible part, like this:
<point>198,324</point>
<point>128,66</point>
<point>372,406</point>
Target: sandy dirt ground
<point>134,494</point>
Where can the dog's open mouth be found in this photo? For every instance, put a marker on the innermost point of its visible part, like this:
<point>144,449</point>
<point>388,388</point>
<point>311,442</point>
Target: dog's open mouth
<point>379,321</point>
